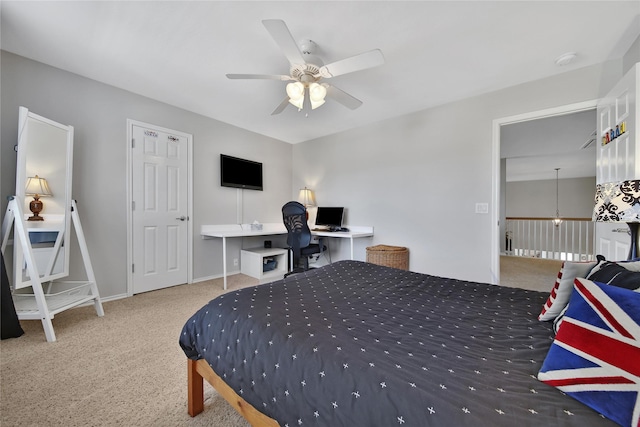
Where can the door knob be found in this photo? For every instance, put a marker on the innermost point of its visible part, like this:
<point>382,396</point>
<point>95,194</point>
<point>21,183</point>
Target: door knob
<point>182,218</point>
<point>622,230</point>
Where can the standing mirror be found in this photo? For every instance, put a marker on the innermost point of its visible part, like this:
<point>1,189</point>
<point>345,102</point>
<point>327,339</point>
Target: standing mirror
<point>41,215</point>
<point>43,190</point>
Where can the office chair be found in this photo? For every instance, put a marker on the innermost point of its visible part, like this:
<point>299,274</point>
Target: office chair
<point>294,216</point>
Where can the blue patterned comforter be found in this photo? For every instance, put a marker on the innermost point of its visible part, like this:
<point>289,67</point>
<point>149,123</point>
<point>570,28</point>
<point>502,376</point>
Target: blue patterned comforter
<point>356,344</point>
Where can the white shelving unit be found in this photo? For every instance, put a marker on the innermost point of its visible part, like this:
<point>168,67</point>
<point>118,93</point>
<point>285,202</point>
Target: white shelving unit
<point>252,262</point>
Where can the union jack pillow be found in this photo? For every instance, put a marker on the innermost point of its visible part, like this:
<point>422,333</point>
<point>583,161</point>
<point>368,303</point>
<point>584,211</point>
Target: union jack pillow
<point>595,357</point>
<point>559,296</point>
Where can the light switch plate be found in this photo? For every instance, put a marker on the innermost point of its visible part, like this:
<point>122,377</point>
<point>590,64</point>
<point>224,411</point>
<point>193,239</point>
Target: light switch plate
<point>482,208</point>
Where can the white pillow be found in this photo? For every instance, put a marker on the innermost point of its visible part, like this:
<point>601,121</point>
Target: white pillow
<point>561,292</point>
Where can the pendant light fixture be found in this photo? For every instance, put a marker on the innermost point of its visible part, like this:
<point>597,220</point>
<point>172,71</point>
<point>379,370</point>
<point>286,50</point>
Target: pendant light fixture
<point>557,220</point>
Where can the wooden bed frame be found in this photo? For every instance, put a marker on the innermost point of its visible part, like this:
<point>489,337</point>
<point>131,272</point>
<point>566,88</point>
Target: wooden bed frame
<point>199,370</point>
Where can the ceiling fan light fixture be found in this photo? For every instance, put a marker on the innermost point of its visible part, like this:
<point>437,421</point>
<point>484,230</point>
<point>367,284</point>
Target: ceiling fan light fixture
<point>317,93</point>
<point>299,103</point>
<point>306,69</point>
<point>295,92</point>
<point>316,104</point>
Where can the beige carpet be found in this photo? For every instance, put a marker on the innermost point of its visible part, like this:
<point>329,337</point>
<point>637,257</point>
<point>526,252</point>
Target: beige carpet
<point>529,273</point>
<point>124,369</point>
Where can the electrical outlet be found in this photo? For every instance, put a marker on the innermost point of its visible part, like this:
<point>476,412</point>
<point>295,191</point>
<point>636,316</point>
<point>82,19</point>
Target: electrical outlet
<point>235,262</point>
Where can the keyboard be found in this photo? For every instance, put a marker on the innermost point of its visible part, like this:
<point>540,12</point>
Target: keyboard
<point>332,230</point>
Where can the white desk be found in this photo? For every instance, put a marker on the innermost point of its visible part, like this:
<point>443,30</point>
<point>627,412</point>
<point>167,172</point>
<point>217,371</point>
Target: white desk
<point>355,232</point>
<point>270,229</point>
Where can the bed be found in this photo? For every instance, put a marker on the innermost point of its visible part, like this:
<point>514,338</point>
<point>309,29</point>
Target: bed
<point>357,344</point>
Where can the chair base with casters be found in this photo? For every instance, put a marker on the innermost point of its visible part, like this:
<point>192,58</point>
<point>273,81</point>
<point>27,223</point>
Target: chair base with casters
<point>305,254</point>
<point>294,216</point>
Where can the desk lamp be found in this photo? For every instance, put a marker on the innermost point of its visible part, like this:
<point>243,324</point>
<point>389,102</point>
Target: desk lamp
<point>307,198</point>
<point>620,202</point>
<point>37,187</point>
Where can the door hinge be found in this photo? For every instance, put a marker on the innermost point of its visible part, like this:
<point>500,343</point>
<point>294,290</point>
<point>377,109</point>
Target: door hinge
<point>133,205</point>
<point>133,268</point>
<point>133,143</point>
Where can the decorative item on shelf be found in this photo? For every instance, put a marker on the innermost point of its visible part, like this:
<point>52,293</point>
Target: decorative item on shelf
<point>614,133</point>
<point>557,220</point>
<point>36,187</point>
<point>620,202</point>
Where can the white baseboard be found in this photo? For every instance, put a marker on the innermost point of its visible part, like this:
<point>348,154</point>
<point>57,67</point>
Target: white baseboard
<point>217,276</point>
<point>111,298</point>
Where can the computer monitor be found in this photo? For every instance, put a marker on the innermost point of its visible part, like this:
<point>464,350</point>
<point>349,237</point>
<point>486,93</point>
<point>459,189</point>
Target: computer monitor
<point>329,217</point>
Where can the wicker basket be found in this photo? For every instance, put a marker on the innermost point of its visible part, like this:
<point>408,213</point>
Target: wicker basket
<point>389,256</point>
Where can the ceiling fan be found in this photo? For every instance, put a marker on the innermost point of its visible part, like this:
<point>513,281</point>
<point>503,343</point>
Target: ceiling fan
<point>307,71</point>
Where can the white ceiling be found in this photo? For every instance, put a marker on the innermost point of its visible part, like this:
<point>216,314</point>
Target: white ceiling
<point>534,149</point>
<point>436,51</point>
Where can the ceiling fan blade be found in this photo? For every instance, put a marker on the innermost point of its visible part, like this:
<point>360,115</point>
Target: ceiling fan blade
<point>282,36</point>
<point>365,60</point>
<point>280,108</point>
<point>259,76</point>
<point>343,97</point>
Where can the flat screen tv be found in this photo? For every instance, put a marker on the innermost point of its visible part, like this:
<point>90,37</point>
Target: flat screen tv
<point>240,173</point>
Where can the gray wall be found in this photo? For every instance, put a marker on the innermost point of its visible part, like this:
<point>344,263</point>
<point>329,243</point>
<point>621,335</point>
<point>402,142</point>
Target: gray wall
<point>417,178</point>
<point>98,113</point>
<point>538,198</point>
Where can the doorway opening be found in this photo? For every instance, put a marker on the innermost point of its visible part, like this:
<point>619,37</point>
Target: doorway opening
<point>499,170</point>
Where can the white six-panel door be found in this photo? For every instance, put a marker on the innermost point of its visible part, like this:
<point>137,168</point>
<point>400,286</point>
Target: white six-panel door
<point>160,208</point>
<point>617,159</point>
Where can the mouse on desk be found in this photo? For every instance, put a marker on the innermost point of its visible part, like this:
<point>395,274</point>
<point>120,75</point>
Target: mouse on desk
<point>338,229</point>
